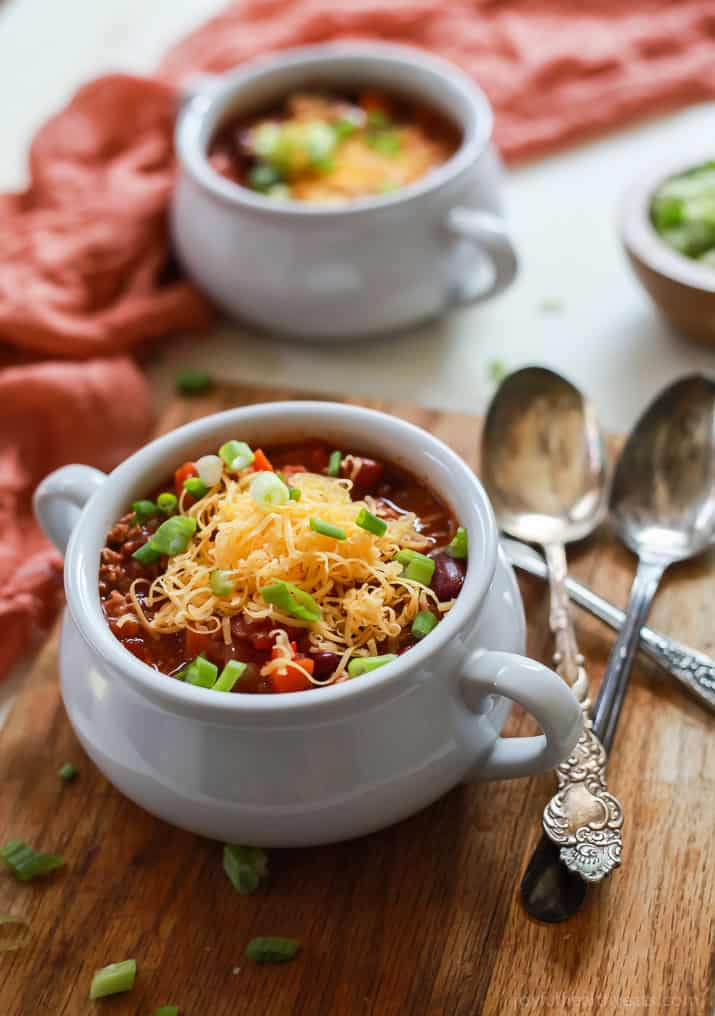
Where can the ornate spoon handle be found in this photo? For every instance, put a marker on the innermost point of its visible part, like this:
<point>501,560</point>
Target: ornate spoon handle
<point>582,818</point>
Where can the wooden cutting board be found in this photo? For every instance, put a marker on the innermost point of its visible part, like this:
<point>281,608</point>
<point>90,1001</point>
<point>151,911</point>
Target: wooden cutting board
<point>423,918</point>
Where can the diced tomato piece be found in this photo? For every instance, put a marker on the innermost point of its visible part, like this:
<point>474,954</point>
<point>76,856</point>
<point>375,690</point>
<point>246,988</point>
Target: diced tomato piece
<point>261,642</point>
<point>183,473</point>
<point>292,679</point>
<point>197,643</point>
<point>261,462</point>
<point>276,653</point>
<point>373,101</point>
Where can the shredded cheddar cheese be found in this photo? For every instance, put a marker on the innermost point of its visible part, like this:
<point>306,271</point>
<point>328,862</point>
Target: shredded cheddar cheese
<point>364,598</point>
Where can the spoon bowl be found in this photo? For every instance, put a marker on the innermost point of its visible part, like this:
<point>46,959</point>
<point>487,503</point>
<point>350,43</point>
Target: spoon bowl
<point>543,460</point>
<point>663,496</point>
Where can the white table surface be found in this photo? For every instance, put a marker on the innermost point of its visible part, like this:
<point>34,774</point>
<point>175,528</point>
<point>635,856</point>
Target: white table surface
<point>562,210</point>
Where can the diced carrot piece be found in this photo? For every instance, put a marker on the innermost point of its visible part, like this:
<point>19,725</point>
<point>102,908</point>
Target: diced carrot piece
<point>261,463</point>
<point>183,473</point>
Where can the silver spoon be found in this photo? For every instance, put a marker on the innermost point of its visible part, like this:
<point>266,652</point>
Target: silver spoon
<point>544,467</point>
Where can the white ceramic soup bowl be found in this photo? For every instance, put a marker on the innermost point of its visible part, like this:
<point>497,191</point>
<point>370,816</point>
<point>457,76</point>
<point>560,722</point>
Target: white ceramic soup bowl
<point>330,272</point>
<point>307,767</point>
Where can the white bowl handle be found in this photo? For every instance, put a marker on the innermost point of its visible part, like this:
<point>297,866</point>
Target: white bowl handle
<point>60,498</point>
<point>488,232</point>
<point>542,693</point>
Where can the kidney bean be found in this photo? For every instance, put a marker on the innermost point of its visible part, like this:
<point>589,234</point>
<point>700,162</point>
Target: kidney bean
<point>365,473</point>
<point>448,576</point>
<point>324,663</point>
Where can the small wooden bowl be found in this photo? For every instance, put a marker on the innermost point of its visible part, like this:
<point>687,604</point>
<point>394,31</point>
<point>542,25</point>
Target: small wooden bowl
<point>682,289</point>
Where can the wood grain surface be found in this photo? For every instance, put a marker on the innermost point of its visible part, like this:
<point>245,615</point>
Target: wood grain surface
<point>422,918</point>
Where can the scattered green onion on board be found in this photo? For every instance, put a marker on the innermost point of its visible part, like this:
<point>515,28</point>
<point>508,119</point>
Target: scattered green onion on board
<point>221,582</point>
<point>423,624</point>
<point>192,382</point>
<point>143,511</point>
<point>291,600</point>
<point>334,461</point>
<point>327,529</point>
<point>364,664</point>
<point>68,772</point>
<point>268,491</point>
<point>366,520</point>
<point>418,567</point>
<point>245,867</point>
<point>231,673</point>
<point>497,371</point>
<point>25,864</point>
<point>237,455</point>
<point>458,545</point>
<point>113,979</point>
<point>167,502</point>
<point>201,673</point>
<point>12,944</point>
<point>166,1010</point>
<point>195,486</point>
<point>272,949</point>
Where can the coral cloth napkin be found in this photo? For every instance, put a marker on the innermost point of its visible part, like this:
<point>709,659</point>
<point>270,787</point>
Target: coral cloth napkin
<point>85,267</point>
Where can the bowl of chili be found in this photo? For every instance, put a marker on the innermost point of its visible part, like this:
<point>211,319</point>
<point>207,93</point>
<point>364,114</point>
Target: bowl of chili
<point>174,599</point>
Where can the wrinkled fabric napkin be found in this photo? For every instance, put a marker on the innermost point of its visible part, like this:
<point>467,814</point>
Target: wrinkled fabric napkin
<point>85,264</point>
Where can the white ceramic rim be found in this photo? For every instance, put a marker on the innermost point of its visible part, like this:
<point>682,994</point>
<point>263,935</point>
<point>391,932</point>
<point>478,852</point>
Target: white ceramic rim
<point>200,115</point>
<point>642,238</point>
<point>164,454</point>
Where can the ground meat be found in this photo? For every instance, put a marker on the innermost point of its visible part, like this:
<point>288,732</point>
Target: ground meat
<point>117,568</point>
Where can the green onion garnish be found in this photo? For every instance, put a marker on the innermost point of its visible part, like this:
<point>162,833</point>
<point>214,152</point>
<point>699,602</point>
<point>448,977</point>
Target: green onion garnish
<point>343,129</point>
<point>458,546</point>
<point>236,454</point>
<point>245,867</point>
<point>143,510</point>
<point>146,554</point>
<point>271,949</point>
<point>418,567</point>
<point>173,536</point>
<point>195,486</point>
<point>113,979</point>
<point>334,463</point>
<point>423,624</point>
<point>294,493</point>
<point>366,520</point>
<point>167,1010</point>
<point>229,675</point>
<point>221,582</point>
<point>68,772</point>
<point>25,864</point>
<point>263,177</point>
<point>386,141</point>
<point>291,600</point>
<point>268,491</point>
<point>192,382</point>
<point>327,529</point>
<point>363,664</point>
<point>202,673</point>
<point>167,502</point>
<point>378,118</point>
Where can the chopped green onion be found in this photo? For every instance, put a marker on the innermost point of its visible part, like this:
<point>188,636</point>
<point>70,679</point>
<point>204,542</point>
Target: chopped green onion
<point>386,141</point>
<point>363,664</point>
<point>221,582</point>
<point>458,546</point>
<point>167,1010</point>
<point>143,510</point>
<point>229,675</point>
<point>245,867</point>
<point>343,129</point>
<point>327,529</point>
<point>320,140</point>
<point>167,502</point>
<point>173,536</point>
<point>146,554</point>
<point>113,979</point>
<point>202,673</point>
<point>291,600</point>
<point>25,864</point>
<point>268,491</point>
<point>418,567</point>
<point>294,493</point>
<point>210,469</point>
<point>366,520</point>
<point>423,623</point>
<point>263,177</point>
<point>237,455</point>
<point>334,463</point>
<point>192,382</point>
<point>271,949</point>
<point>68,772</point>
<point>195,486</point>
<point>378,118</point>
<point>14,944</point>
